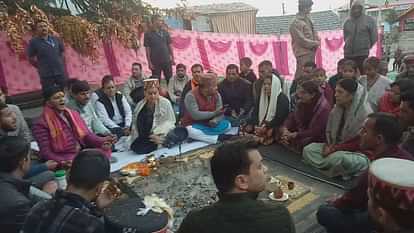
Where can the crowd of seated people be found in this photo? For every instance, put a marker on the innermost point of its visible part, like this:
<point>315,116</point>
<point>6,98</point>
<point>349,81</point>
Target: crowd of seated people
<point>339,126</point>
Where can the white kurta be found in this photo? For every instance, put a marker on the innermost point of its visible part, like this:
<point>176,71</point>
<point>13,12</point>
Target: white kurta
<point>376,91</point>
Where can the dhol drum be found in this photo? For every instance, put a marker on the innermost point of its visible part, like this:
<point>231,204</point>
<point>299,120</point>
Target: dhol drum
<point>121,217</point>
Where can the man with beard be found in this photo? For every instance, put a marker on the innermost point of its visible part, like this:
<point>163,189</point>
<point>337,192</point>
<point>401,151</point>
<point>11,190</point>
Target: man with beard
<point>237,96</point>
<point>134,88</point>
<point>177,84</point>
<point>379,138</point>
<point>390,192</point>
<point>45,52</point>
<point>360,34</point>
<point>20,128</point>
<point>79,100</point>
<point>196,71</point>
<point>39,173</point>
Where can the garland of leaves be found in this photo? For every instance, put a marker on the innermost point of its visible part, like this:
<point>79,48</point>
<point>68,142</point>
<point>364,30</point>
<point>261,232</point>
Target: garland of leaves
<point>80,34</point>
<point>124,20</point>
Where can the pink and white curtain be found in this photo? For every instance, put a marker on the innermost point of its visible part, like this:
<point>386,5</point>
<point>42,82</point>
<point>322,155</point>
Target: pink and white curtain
<point>213,50</point>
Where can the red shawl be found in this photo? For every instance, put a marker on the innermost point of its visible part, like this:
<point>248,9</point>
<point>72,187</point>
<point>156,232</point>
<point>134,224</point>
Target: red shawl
<point>55,126</point>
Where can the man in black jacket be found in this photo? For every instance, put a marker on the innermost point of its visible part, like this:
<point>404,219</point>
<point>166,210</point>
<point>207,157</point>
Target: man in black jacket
<point>236,94</point>
<point>14,191</point>
<point>71,211</point>
<point>239,175</point>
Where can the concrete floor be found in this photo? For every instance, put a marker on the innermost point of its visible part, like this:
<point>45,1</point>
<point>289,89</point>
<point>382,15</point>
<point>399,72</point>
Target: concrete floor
<point>304,218</point>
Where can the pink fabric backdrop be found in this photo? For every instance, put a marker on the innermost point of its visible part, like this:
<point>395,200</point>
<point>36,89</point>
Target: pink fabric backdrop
<point>215,51</point>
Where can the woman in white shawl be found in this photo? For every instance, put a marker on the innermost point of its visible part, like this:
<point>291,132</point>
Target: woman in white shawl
<point>269,113</point>
<point>344,124</point>
<point>153,118</point>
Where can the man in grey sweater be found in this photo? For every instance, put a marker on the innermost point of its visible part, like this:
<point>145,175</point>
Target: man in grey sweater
<point>360,34</point>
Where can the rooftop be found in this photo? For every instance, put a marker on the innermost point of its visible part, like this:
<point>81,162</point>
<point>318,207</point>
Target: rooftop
<point>323,21</point>
<point>377,3</point>
<point>222,8</point>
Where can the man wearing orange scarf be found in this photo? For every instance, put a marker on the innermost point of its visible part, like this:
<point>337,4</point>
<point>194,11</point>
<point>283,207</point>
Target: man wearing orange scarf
<point>61,133</point>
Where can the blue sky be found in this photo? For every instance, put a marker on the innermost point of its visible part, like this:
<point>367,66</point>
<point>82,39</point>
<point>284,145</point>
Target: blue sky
<point>266,7</point>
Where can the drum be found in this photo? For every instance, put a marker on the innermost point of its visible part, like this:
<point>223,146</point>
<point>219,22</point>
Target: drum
<point>121,217</point>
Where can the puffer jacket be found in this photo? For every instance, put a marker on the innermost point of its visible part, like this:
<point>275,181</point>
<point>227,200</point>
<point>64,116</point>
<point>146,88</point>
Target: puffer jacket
<point>360,34</point>
<point>14,203</point>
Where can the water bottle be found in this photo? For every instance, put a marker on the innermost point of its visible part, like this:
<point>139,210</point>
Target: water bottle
<point>60,177</point>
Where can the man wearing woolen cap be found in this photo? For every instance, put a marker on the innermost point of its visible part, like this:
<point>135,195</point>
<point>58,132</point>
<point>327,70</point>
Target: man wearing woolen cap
<point>391,195</point>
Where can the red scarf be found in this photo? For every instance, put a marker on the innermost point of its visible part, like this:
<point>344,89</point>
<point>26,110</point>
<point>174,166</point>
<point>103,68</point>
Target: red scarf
<point>194,84</point>
<point>55,125</point>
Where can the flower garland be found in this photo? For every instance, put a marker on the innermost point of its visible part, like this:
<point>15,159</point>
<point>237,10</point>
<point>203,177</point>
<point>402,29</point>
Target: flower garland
<point>120,23</point>
<point>80,34</point>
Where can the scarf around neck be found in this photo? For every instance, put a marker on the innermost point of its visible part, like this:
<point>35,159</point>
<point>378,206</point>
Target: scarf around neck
<point>194,83</point>
<point>55,126</point>
<point>268,108</point>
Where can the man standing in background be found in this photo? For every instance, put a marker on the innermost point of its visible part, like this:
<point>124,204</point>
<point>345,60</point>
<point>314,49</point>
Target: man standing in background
<point>360,34</point>
<point>159,51</point>
<point>45,52</point>
<point>305,40</point>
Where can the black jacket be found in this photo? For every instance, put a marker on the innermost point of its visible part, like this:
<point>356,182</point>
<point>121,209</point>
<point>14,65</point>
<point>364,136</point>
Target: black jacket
<point>14,203</point>
<point>236,95</point>
<point>66,213</point>
<point>239,213</point>
<point>249,76</point>
<point>187,88</point>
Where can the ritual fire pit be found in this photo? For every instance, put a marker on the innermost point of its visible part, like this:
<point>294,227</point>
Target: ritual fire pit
<point>185,183</point>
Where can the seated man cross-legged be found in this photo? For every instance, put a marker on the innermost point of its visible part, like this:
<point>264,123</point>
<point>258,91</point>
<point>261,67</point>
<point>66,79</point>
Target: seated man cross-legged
<point>61,133</point>
<point>237,96</point>
<point>177,84</point>
<point>240,175</point>
<point>113,108</point>
<point>203,114</point>
<point>80,102</point>
<point>40,173</point>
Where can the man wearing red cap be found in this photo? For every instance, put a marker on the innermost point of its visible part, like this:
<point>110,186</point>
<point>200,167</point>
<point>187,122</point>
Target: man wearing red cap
<point>391,195</point>
<point>408,72</point>
<point>305,40</point>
